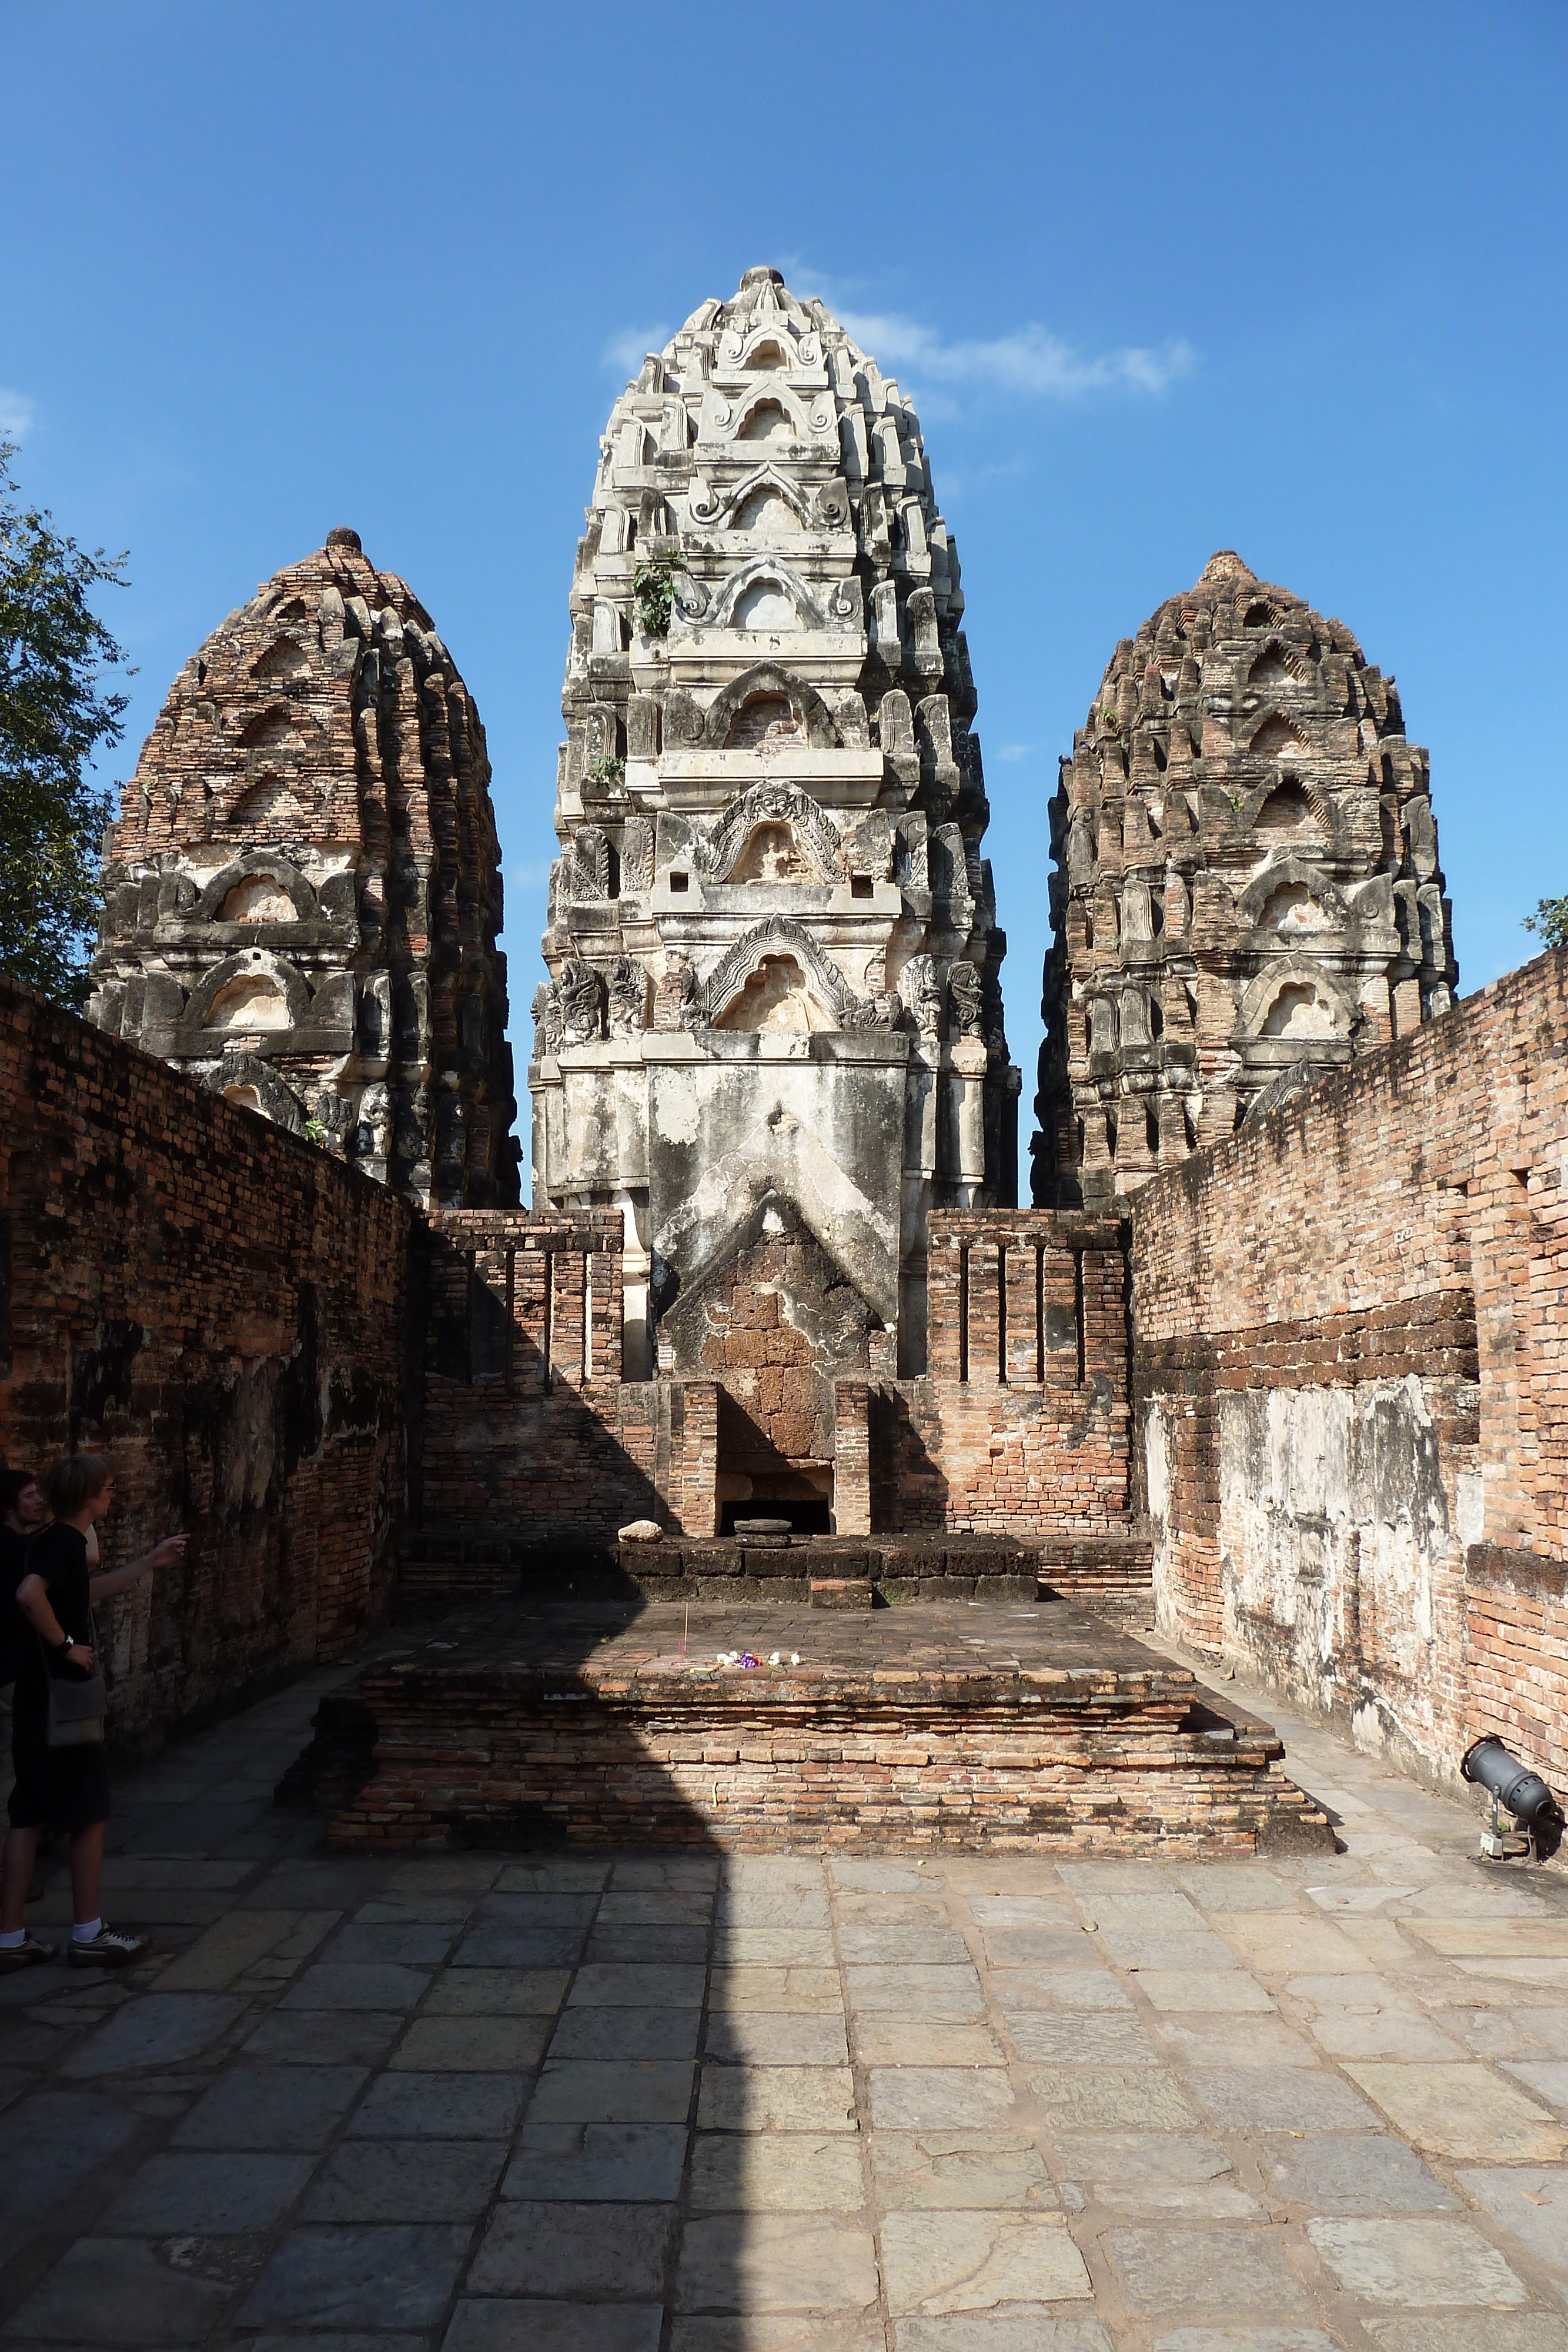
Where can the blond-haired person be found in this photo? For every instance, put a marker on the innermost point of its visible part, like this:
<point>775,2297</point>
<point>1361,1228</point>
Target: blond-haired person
<point>64,1787</point>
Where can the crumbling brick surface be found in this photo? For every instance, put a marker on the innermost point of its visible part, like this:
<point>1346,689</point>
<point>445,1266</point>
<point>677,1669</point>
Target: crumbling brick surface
<point>1021,1425</point>
<point>1349,1370</point>
<point>1248,889</point>
<point>220,1305</point>
<point>303,891</point>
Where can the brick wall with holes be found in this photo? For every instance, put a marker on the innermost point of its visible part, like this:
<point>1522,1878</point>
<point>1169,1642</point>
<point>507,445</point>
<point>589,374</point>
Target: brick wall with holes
<point>525,1426</point>
<point>219,1307</point>
<point>1021,1425</point>
<point>1350,1373</point>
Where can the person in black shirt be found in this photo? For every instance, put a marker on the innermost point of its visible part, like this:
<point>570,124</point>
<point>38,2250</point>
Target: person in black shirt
<point>22,1512</point>
<point>66,1788</point>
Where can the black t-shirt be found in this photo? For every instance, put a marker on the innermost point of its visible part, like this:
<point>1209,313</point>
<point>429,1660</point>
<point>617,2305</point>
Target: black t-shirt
<point>58,1555</point>
<point>14,1630</point>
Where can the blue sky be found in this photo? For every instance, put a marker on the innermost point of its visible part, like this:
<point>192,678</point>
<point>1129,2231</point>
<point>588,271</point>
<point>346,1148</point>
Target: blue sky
<point>1162,281</point>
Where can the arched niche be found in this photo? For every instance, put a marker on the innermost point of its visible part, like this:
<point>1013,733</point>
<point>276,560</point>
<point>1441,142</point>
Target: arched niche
<point>782,940</point>
<point>765,604</point>
<point>767,809</point>
<point>1299,1009</point>
<point>1291,810</point>
<point>763,595</point>
<point>255,990</point>
<point>771,855</point>
<point>769,423</point>
<point>776,995</point>
<point>250,1084</point>
<point>812,717</point>
<point>767,514</point>
<point>717,505</point>
<point>1293,908</point>
<point>269,806</point>
<point>259,874</point>
<point>1287,810</point>
<point>270,730</point>
<point>1275,666</point>
<point>766,718</point>
<point>1294,998</point>
<point>1277,739</point>
<point>259,898</point>
<point>285,657</point>
<point>250,1000</point>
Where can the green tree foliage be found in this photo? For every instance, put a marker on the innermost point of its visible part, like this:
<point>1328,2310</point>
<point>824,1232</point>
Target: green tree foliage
<point>54,714</point>
<point>1550,921</point>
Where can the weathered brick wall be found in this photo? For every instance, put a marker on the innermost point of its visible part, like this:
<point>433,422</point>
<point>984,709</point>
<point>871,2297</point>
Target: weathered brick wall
<point>1021,1425</point>
<point>220,1305</point>
<point>1349,1368</point>
<point>1515,1639</point>
<point>525,1426</point>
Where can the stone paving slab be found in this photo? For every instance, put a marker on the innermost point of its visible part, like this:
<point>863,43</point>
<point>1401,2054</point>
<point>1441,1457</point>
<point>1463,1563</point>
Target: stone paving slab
<point>791,2103</point>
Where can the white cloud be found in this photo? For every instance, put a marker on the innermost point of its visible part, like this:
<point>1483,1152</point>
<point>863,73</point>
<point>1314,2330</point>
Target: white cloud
<point>15,415</point>
<point>1027,360</point>
<point>1014,751</point>
<point>627,351</point>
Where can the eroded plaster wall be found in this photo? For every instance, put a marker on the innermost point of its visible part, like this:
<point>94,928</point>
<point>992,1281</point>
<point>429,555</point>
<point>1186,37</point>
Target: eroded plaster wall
<point>1348,1385</point>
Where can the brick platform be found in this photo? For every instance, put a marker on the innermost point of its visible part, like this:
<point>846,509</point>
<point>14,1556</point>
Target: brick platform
<point>1110,1572</point>
<point>585,1721</point>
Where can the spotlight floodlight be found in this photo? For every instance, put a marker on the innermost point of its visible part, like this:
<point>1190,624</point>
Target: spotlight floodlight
<point>1488,1765</point>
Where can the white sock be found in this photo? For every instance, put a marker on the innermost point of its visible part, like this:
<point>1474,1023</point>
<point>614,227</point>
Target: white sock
<point>11,1936</point>
<point>85,1930</point>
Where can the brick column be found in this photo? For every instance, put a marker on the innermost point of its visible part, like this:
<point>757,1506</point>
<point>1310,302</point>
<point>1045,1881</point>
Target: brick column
<point>852,1458</point>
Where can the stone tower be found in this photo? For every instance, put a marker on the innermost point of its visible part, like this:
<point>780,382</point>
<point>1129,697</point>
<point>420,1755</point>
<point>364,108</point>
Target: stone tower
<point>1248,888</point>
<point>773,1022</point>
<point>303,892</point>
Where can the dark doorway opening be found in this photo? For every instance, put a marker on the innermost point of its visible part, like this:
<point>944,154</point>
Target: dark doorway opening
<point>812,1518</point>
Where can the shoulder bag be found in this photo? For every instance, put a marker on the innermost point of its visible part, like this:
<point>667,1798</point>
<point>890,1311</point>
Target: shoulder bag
<point>78,1705</point>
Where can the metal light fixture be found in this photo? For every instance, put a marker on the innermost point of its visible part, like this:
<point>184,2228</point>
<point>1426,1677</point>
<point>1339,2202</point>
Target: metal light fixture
<point>1488,1765</point>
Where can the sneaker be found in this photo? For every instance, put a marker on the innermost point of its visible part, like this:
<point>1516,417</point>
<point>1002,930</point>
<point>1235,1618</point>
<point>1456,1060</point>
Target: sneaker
<point>108,1950</point>
<point>24,1955</point>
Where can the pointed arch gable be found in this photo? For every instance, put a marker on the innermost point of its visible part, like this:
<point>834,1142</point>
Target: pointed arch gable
<point>1277,660</point>
<point>770,391</point>
<point>713,504</point>
<point>1278,738</point>
<point>1289,971</point>
<point>251,963</point>
<point>241,1074</point>
<point>1260,889</point>
<point>255,864</point>
<point>736,966</point>
<point>763,570</point>
<point>1322,807</point>
<point>815,831</point>
<point>812,713</point>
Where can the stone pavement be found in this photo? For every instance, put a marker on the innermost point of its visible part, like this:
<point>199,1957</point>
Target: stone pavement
<point>788,2105</point>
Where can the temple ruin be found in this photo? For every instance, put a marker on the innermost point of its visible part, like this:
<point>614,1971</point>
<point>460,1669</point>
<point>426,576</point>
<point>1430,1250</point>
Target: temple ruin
<point>772,1035</point>
<point>1248,889</point>
<point>1269,1370</point>
<point>303,892</point>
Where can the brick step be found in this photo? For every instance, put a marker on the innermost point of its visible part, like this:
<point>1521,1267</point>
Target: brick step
<point>1110,1571</point>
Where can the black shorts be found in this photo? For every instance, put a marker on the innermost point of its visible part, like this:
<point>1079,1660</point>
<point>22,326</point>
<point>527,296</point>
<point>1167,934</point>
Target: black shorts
<point>57,1788</point>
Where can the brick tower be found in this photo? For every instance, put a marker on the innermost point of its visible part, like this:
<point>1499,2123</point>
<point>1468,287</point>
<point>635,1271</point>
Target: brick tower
<point>303,892</point>
<point>772,1034</point>
<point>1248,889</point>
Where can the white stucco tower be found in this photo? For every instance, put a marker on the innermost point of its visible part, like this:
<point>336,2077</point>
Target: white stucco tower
<point>774,1002</point>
